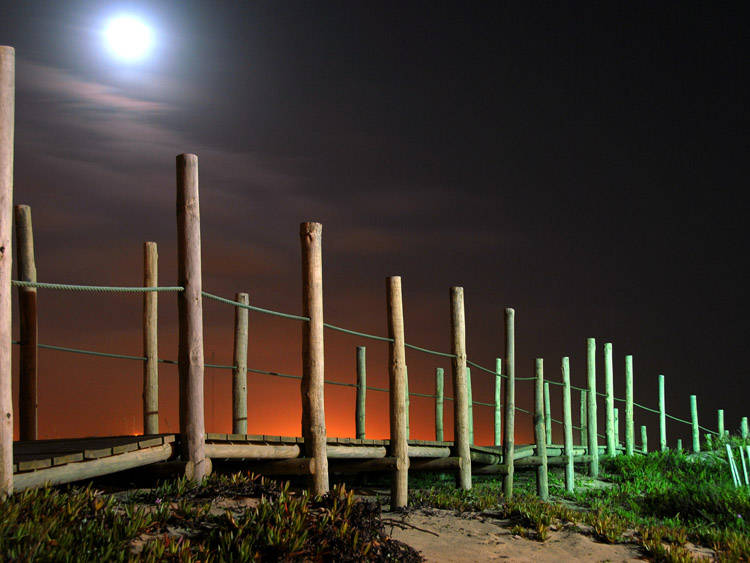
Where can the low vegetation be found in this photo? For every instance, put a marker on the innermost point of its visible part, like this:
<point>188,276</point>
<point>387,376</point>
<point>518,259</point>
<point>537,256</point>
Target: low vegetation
<point>662,502</point>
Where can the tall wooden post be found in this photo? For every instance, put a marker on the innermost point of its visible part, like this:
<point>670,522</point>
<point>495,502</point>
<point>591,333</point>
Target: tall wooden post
<point>609,390</point>
<point>617,430</point>
<point>567,427</point>
<point>510,401</point>
<point>743,428</point>
<point>7,121</point>
<point>27,305</point>
<point>313,365</point>
<point>239,361</point>
<point>498,402</point>
<point>150,339</point>
<point>190,313</point>
<point>720,422</point>
<point>694,421</point>
<point>593,440</point>
<point>644,440</point>
<point>397,395</point>
<point>662,416</point>
<point>629,422</point>
<point>359,414</point>
<point>542,488</point>
<point>461,441</point>
<point>439,398</point>
<point>470,403</point>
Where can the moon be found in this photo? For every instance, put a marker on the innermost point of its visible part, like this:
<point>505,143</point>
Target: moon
<point>128,38</point>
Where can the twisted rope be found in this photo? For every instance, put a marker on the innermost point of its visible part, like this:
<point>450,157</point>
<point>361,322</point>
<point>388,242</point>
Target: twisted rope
<point>95,288</point>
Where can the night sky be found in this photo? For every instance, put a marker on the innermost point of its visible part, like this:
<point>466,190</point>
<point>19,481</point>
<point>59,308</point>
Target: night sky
<point>585,163</point>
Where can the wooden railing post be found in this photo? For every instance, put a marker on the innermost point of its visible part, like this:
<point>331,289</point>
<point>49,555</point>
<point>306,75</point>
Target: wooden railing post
<point>313,365</point>
<point>609,390</point>
<point>510,402</point>
<point>644,440</point>
<point>439,399</point>
<point>567,427</point>
<point>359,414</point>
<point>239,361</point>
<point>662,416</point>
<point>7,120</point>
<point>150,339</point>
<point>593,439</point>
<point>28,331</point>
<point>470,403</point>
<point>498,402</point>
<point>720,422</point>
<point>461,443</point>
<point>190,313</point>
<point>629,422</point>
<point>584,419</point>
<point>542,488</point>
<point>617,429</point>
<point>547,414</point>
<point>694,420</point>
<point>744,428</point>
<point>397,395</point>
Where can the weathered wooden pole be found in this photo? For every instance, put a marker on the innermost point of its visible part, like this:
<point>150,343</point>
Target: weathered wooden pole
<point>397,377</point>
<point>721,422</point>
<point>439,398</point>
<point>744,428</point>
<point>461,443</point>
<point>662,416</point>
<point>470,403</point>
<point>498,402</point>
<point>239,361</point>
<point>629,422</point>
<point>644,440</point>
<point>609,390</point>
<point>542,487</point>
<point>313,363</point>
<point>190,314</point>
<point>617,429</point>
<point>679,444</point>
<point>694,419</point>
<point>150,339</point>
<point>567,427</point>
<point>510,401</point>
<point>7,121</point>
<point>359,414</point>
<point>593,440</point>
<point>547,414</point>
<point>584,419</point>
<point>28,331</point>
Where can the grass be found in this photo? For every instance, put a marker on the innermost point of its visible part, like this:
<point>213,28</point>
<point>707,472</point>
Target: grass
<point>660,501</point>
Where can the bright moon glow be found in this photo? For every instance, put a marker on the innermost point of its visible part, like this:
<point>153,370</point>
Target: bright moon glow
<point>128,38</point>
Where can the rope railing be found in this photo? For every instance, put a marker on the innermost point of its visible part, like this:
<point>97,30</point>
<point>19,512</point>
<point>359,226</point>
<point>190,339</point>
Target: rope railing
<point>95,288</point>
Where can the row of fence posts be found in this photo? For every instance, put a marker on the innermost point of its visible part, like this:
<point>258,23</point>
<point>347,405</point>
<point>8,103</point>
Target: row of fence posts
<point>191,354</point>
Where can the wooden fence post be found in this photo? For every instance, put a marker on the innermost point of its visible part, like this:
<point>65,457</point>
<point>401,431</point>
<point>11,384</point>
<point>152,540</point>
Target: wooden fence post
<point>150,339</point>
<point>510,401</point>
<point>313,364</point>
<point>542,488</point>
<point>547,414</point>
<point>361,392</point>
<point>470,403</point>
<point>644,440</point>
<point>439,398</point>
<point>617,429</point>
<point>584,419</point>
<point>567,427</point>
<point>694,419</point>
<point>593,439</point>
<point>28,331</point>
<point>721,422</point>
<point>498,403</point>
<point>610,400</point>
<point>744,428</point>
<point>397,395</point>
<point>7,120</point>
<point>461,442</point>
<point>679,444</point>
<point>629,422</point>
<point>239,361</point>
<point>190,313</point>
<point>662,416</point>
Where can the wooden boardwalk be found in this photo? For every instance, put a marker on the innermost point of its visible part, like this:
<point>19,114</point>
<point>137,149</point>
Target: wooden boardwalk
<point>76,459</point>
